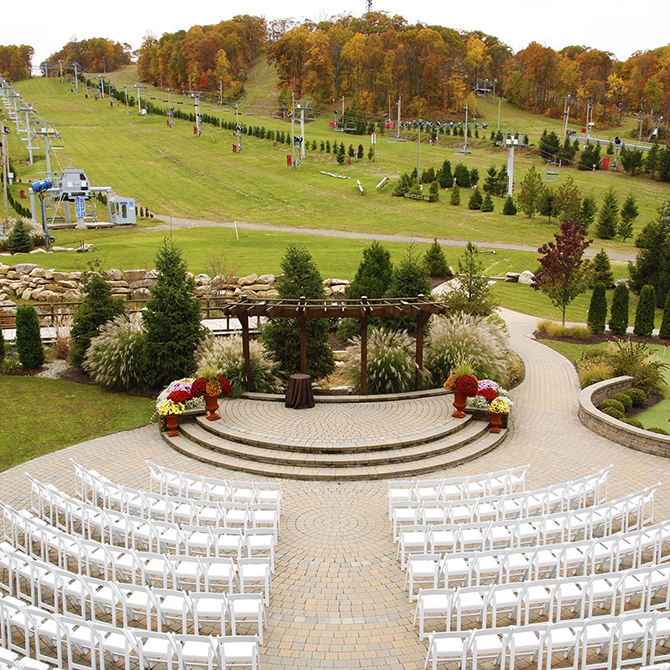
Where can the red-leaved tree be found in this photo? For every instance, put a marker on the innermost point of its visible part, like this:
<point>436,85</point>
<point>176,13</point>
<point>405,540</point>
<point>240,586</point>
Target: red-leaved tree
<point>563,274</point>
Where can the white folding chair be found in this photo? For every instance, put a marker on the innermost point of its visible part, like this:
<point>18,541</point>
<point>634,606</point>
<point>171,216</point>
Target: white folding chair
<point>254,572</point>
<point>433,604</point>
<point>246,608</point>
<point>236,650</point>
<point>261,541</point>
<point>422,569</point>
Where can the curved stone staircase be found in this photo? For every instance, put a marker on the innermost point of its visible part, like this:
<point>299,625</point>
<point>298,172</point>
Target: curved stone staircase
<point>336,440</point>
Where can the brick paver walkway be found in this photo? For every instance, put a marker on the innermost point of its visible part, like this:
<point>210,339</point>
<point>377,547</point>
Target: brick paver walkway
<point>338,598</point>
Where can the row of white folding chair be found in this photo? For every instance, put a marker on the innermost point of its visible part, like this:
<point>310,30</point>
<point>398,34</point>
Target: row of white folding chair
<point>100,491</point>
<point>185,484</point>
<point>591,489</point>
<point>456,488</point>
<point>604,642</point>
<point>200,573</point>
<point>540,502</point>
<point>75,643</point>
<point>628,513</point>
<point>583,557</point>
<point>584,595</point>
<point>10,660</point>
<point>80,518</point>
<point>53,589</point>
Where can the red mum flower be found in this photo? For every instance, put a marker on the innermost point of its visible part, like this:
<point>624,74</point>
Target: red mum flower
<point>488,394</point>
<point>467,385</point>
<point>198,387</point>
<point>225,385</point>
<point>179,396</point>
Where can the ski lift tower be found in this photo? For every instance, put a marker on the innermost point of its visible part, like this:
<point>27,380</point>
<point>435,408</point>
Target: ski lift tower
<point>30,135</point>
<point>52,140</point>
<point>198,116</point>
<point>301,106</point>
<point>512,140</point>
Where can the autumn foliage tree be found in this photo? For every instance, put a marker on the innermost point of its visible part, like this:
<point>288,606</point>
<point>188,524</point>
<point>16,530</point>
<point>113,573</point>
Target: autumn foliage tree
<point>563,274</point>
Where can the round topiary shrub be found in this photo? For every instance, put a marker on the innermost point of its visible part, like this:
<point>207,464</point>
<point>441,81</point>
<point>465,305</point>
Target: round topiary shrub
<point>609,403</point>
<point>613,412</point>
<point>660,431</point>
<point>634,422</point>
<point>624,399</point>
<point>638,396</point>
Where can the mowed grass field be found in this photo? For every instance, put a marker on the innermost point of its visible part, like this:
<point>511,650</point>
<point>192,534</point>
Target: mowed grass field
<point>177,174</point>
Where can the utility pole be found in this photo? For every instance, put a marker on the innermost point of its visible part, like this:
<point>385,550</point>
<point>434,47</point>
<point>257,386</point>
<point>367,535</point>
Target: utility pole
<point>238,129</point>
<point>76,78</point>
<point>125,88</point>
<point>465,148</point>
<point>221,91</point>
<point>139,87</point>
<point>566,116</point>
<point>418,156</point>
<point>397,132</point>
<point>102,86</point>
<point>60,67</point>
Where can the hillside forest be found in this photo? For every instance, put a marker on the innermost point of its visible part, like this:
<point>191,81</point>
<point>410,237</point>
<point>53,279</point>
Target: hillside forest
<point>377,59</point>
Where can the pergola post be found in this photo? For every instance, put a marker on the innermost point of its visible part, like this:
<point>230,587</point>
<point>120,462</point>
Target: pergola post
<point>244,322</point>
<point>421,321</point>
<point>303,335</point>
<point>364,347</point>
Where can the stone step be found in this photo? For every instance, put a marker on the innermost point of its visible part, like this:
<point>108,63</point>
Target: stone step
<point>480,442</point>
<point>232,433</point>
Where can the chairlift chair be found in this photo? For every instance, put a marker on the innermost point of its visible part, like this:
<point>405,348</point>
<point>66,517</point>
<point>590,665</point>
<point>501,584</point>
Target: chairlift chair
<point>550,173</point>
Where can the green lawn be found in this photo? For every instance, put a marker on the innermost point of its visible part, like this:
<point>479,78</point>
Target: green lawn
<point>175,173</point>
<point>45,415</point>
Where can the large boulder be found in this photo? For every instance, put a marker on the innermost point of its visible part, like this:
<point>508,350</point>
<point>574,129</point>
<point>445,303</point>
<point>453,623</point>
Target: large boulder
<point>526,277</point>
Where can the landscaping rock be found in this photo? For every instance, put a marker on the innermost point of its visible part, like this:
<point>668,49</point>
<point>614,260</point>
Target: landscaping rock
<point>114,275</point>
<point>25,268</point>
<point>526,277</point>
<point>249,280</point>
<point>133,275</point>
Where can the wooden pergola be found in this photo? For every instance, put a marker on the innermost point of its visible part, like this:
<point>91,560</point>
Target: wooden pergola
<point>418,307</point>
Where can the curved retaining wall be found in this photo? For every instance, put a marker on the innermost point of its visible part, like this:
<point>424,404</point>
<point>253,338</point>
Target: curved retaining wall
<point>613,429</point>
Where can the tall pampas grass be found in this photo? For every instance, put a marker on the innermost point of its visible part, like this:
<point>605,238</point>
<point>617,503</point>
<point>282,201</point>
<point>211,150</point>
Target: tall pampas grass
<point>225,355</point>
<point>114,357</point>
<point>463,339</point>
<point>391,366</point>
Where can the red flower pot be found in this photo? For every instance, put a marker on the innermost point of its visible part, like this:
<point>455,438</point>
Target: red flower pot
<point>496,421</point>
<point>459,402</point>
<point>172,423</point>
<point>211,405</point>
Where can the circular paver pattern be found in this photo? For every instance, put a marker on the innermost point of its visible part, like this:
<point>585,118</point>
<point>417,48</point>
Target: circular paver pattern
<point>338,598</point>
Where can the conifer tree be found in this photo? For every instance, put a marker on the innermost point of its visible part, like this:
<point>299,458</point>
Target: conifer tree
<point>598,309</point>
<point>435,261</point>
<point>509,208</point>
<point>28,338</point>
<point>665,323</point>
<point>491,181</point>
<point>530,193</point>
<point>629,212</point>
<point>476,200</point>
<point>587,214</point>
<point>602,269</point>
<point>609,216</point>
<point>646,311</point>
<point>455,197</point>
<point>445,178</point>
<point>97,307</point>
<point>19,239</point>
<point>487,203</point>
<point>282,335</point>
<point>619,312</point>
<point>172,320</point>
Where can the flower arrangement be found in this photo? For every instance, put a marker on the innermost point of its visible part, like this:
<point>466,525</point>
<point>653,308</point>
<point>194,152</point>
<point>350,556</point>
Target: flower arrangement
<point>467,385</point>
<point>214,383</point>
<point>169,407</point>
<point>499,406</point>
<point>198,387</point>
<point>487,393</point>
<point>179,391</point>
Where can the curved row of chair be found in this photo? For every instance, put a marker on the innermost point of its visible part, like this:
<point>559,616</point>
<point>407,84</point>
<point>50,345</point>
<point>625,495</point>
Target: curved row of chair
<point>191,485</point>
<point>567,559</point>
<point>102,492</point>
<point>110,562</point>
<point>627,513</point>
<point>510,480</point>
<point>75,643</point>
<point>51,588</point>
<point>631,639</point>
<point>583,596</point>
<point>10,660</point>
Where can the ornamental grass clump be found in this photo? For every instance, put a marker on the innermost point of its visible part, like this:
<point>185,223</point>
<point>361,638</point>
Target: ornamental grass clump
<point>391,367</point>
<point>466,339</point>
<point>225,354</point>
<point>114,357</point>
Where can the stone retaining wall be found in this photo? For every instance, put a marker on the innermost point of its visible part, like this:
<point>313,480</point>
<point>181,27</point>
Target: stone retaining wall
<point>29,281</point>
<point>613,429</point>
